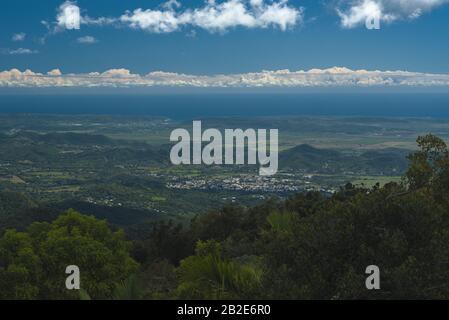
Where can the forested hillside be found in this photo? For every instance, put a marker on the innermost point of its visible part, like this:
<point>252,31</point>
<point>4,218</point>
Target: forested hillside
<point>310,246</point>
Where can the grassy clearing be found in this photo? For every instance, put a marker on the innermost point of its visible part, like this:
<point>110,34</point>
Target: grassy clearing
<point>64,189</point>
<point>370,181</point>
<point>158,199</point>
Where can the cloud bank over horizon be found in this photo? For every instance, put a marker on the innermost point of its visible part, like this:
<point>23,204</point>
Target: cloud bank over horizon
<point>123,78</point>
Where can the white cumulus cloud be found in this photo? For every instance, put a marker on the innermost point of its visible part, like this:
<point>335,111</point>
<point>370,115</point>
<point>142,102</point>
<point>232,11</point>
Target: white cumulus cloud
<point>69,16</point>
<point>152,20</point>
<point>55,73</point>
<point>87,40</point>
<point>213,16</point>
<point>17,37</point>
<point>356,12</point>
<point>18,51</point>
<point>217,16</point>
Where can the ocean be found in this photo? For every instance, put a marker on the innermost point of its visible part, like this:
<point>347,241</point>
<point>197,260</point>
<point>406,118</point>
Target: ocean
<point>197,106</point>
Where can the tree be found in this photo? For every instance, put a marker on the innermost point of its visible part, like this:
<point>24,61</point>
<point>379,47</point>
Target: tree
<point>20,267</point>
<point>207,275</point>
<point>38,257</point>
<point>429,164</point>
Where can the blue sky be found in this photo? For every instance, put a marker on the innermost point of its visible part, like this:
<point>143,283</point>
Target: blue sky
<point>412,38</point>
<point>319,41</point>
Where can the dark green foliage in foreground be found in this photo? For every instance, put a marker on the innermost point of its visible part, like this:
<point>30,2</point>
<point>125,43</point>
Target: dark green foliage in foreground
<point>209,275</point>
<point>32,263</point>
<point>324,255</point>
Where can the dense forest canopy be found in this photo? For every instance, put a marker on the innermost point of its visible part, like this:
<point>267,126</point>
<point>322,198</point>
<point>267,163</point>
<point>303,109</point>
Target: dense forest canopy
<point>310,246</point>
